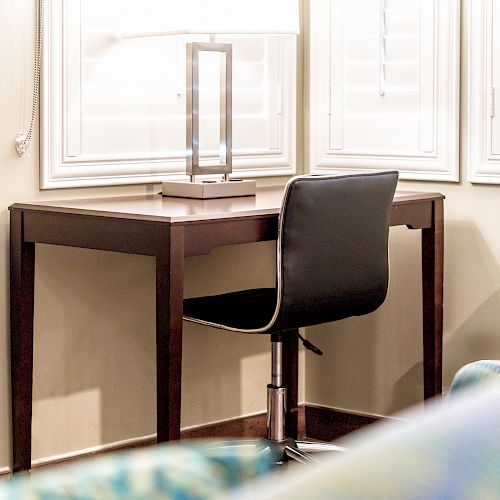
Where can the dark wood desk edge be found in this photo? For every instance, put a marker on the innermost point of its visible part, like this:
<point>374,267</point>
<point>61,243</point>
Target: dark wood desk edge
<point>179,220</point>
<point>144,236</point>
<point>400,199</point>
<point>414,196</point>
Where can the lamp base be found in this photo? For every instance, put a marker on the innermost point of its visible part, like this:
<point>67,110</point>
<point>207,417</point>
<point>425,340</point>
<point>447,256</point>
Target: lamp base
<point>207,189</point>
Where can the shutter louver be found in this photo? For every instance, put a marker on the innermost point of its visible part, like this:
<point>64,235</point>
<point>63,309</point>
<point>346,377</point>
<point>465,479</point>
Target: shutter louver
<point>388,80</point>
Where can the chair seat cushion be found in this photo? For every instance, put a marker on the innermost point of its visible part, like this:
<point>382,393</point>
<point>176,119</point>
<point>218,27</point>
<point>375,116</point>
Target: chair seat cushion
<point>246,309</point>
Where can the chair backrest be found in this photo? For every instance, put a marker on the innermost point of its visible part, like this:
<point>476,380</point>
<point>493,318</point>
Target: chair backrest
<point>333,247</point>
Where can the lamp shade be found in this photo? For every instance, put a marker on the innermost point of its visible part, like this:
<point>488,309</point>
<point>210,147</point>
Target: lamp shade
<point>221,17</point>
<point>241,16</point>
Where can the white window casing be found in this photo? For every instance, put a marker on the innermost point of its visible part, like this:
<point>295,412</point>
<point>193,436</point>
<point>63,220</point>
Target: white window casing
<point>113,108</point>
<point>484,92</point>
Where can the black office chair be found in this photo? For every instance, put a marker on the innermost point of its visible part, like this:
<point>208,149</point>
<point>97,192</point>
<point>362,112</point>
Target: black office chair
<point>332,263</point>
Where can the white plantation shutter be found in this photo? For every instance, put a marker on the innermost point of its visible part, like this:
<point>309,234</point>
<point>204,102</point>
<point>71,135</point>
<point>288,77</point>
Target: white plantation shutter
<point>494,70</point>
<point>384,87</point>
<point>120,117</point>
<point>484,92</point>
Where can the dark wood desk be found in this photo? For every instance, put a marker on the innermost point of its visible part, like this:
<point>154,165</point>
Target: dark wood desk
<point>169,229</point>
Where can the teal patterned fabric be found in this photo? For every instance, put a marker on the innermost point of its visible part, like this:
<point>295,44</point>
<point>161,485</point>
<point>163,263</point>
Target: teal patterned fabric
<point>196,470</point>
<point>449,451</point>
<point>477,372</point>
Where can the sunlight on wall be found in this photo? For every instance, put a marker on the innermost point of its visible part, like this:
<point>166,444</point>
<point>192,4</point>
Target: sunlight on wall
<point>54,413</point>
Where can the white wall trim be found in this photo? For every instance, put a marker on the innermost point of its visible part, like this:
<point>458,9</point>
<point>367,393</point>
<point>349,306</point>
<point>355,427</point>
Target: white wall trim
<point>93,449</point>
<point>353,412</point>
<point>86,451</point>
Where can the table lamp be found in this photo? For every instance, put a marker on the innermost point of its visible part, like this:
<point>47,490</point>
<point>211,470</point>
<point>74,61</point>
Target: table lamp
<point>267,17</point>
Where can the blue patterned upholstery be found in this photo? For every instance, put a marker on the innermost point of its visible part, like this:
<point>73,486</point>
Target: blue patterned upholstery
<point>185,471</point>
<point>477,372</point>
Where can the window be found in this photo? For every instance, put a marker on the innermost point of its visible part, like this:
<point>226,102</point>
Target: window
<point>384,86</point>
<point>484,82</point>
<point>113,104</point>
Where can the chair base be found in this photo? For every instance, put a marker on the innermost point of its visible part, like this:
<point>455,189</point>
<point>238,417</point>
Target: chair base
<point>284,447</point>
<point>301,451</point>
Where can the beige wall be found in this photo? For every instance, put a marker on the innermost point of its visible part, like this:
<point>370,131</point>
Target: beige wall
<point>94,326</point>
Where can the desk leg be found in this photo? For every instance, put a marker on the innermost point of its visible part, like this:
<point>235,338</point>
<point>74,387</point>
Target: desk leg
<point>432,290</point>
<point>22,279</point>
<point>169,304</point>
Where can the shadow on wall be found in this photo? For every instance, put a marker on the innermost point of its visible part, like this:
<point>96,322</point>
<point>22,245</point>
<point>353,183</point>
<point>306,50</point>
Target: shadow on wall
<point>344,376</point>
<point>94,377</point>
<point>227,373</point>
<point>373,363</point>
<point>221,371</point>
<point>94,361</point>
<point>408,389</point>
<point>472,298</point>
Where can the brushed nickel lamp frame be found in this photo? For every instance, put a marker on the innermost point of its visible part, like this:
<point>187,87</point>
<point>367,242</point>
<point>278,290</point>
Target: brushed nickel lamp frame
<point>196,188</point>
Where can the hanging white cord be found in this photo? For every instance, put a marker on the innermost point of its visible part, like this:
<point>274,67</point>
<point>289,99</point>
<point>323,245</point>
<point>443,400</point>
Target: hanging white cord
<point>22,139</point>
<point>382,54</point>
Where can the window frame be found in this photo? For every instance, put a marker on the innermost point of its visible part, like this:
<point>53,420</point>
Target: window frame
<point>442,165</point>
<point>483,163</point>
<point>58,171</point>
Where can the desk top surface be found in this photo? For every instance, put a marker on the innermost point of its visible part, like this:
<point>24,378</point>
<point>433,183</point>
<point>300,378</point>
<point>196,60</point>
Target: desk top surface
<point>155,207</point>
